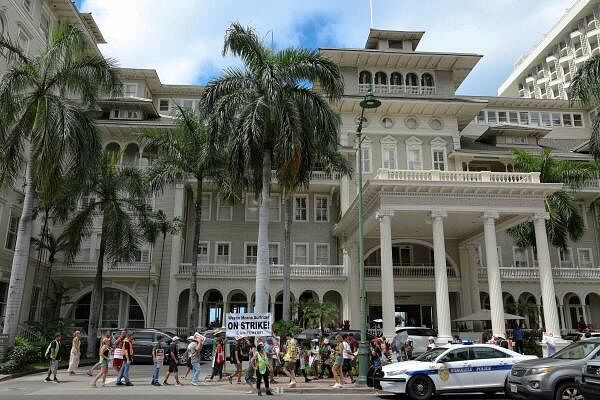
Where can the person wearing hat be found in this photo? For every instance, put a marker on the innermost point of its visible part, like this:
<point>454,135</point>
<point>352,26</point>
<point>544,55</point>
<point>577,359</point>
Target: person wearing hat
<point>219,357</point>
<point>127,360</point>
<point>430,343</point>
<point>398,343</point>
<point>53,355</point>
<point>195,352</point>
<point>173,352</point>
<point>261,361</point>
<point>326,359</point>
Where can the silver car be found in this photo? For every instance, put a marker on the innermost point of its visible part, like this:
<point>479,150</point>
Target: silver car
<point>553,377</point>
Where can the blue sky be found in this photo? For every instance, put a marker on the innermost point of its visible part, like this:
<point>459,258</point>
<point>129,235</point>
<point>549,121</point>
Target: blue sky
<point>183,39</point>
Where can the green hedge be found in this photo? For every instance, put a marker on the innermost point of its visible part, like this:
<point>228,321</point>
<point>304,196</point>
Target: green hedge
<point>21,355</point>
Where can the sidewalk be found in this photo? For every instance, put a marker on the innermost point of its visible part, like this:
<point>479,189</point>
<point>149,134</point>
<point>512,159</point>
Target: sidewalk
<point>312,387</point>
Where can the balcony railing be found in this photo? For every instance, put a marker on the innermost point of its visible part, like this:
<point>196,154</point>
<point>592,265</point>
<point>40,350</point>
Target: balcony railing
<point>317,176</point>
<point>397,89</point>
<point>249,270</point>
<point>458,176</point>
<point>87,267</point>
<point>409,271</point>
<point>534,273</point>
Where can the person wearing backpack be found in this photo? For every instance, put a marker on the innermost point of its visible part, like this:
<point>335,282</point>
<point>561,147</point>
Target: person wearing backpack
<point>53,355</point>
<point>127,359</point>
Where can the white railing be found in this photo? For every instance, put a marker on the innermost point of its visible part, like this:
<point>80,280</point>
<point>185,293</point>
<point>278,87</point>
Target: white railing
<point>249,270</point>
<point>316,176</point>
<point>397,89</point>
<point>458,176</point>
<point>408,271</point>
<point>108,267</point>
<point>534,273</point>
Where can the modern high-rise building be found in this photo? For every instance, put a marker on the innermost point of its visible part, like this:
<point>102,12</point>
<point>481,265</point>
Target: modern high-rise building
<point>548,70</point>
<point>440,192</point>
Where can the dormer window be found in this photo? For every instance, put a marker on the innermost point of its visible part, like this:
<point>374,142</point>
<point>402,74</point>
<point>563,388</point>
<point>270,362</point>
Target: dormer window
<point>380,78</point>
<point>396,79</point>
<point>412,79</point>
<point>365,77</point>
<point>427,80</point>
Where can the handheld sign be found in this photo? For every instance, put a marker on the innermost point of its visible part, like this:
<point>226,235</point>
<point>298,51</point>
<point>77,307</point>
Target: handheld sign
<point>248,324</point>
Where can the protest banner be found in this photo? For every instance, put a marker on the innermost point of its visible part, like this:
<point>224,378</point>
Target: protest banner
<point>248,324</point>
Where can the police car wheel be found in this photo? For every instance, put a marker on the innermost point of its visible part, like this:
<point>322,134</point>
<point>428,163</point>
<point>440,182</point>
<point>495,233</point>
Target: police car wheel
<point>419,387</point>
<point>568,391</point>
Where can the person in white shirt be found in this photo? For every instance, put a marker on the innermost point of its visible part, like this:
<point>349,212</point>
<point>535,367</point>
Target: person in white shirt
<point>347,356</point>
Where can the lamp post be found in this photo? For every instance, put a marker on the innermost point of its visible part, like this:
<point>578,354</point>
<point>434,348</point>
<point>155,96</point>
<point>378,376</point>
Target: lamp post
<point>363,349</point>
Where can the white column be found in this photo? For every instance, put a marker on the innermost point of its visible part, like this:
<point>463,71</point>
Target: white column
<point>493,272</point>
<point>442,298</point>
<point>561,308</point>
<point>546,281</point>
<point>175,259</point>
<point>465,279</point>
<point>353,285</point>
<point>474,288</point>
<point>387,275</point>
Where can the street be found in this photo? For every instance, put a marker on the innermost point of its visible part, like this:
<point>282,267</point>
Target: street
<point>32,387</point>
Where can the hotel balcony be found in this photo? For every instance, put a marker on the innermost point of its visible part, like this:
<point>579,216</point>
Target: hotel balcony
<point>397,89</point>
<point>409,271</point>
<point>459,176</point>
<point>533,274</point>
<point>248,271</point>
<point>88,269</point>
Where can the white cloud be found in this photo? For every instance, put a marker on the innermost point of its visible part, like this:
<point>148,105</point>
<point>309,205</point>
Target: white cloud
<point>182,39</point>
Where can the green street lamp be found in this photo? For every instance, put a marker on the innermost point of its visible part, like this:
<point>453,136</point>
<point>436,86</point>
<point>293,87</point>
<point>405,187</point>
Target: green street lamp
<point>363,348</point>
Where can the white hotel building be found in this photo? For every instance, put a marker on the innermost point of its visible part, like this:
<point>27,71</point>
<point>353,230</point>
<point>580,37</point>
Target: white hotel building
<point>439,192</point>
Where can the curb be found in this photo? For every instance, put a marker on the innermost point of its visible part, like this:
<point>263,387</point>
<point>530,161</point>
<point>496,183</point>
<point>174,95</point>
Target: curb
<point>36,371</point>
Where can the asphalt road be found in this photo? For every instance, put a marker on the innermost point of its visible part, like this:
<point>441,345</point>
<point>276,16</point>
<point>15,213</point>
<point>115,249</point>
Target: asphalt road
<point>32,387</point>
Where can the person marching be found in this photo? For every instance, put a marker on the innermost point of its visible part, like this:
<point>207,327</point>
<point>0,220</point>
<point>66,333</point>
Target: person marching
<point>103,353</point>
<point>158,357</point>
<point>75,353</point>
<point>236,359</point>
<point>173,351</point>
<point>195,352</point>
<point>338,375</point>
<point>261,360</point>
<point>218,359</point>
<point>127,359</point>
<point>289,358</point>
<point>326,355</point>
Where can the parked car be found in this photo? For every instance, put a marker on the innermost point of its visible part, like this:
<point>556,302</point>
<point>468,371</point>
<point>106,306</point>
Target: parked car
<point>145,339</point>
<point>553,377</point>
<point>589,381</point>
<point>418,336</point>
<point>448,369</point>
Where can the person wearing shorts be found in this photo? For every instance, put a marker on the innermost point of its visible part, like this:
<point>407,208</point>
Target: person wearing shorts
<point>173,351</point>
<point>291,353</point>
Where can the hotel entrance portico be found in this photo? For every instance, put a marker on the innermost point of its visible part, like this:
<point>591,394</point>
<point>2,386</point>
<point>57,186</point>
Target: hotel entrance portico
<point>420,227</point>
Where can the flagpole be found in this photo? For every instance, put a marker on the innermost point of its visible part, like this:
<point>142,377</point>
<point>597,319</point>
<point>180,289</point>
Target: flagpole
<point>371,12</point>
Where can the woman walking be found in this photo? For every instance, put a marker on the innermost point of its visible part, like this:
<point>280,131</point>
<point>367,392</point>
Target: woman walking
<point>103,353</point>
<point>338,375</point>
<point>314,357</point>
<point>218,360</point>
<point>75,353</point>
<point>326,360</point>
<point>261,360</point>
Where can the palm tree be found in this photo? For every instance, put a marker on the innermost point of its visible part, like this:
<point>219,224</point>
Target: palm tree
<point>314,313</point>
<point>292,176</point>
<point>585,90</point>
<point>119,195</point>
<point>163,226</point>
<point>566,222</point>
<point>43,129</point>
<point>184,152</point>
<point>52,245</point>
<point>268,113</point>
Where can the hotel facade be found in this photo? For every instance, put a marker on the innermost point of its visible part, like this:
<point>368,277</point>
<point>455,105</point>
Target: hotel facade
<point>439,189</point>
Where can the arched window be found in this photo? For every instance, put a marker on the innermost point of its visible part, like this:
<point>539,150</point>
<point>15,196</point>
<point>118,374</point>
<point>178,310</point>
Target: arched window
<point>365,77</point>
<point>427,80</point>
<point>380,78</point>
<point>396,79</point>
<point>412,79</point>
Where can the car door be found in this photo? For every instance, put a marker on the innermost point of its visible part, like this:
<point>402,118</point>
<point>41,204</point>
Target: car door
<point>490,366</point>
<point>454,370</point>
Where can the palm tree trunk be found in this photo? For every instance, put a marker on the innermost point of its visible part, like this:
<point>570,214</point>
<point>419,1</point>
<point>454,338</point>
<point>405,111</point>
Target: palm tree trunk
<point>96,301</point>
<point>262,262</point>
<point>20,260</point>
<point>192,322</point>
<point>287,250</point>
<point>162,255</point>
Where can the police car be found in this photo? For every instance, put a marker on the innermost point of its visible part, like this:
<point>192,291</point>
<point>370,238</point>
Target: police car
<point>452,368</point>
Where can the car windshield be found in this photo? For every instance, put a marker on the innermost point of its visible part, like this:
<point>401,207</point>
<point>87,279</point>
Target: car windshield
<point>576,351</point>
<point>431,355</point>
